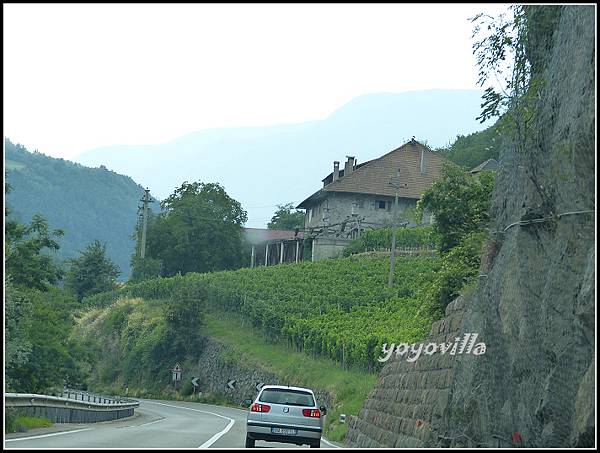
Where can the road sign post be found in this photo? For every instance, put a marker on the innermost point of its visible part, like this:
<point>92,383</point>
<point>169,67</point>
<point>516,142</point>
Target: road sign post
<point>176,374</point>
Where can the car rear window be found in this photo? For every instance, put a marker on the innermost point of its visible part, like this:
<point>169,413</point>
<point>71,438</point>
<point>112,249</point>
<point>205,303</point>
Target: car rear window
<point>288,397</point>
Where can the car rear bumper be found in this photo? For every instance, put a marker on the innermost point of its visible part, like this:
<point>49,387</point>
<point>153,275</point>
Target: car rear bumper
<point>262,431</point>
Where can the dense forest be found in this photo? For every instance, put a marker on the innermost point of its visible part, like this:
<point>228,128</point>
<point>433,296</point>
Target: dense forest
<point>88,204</point>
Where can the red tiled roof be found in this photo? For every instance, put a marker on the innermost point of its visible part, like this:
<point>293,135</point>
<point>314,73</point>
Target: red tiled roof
<point>373,177</point>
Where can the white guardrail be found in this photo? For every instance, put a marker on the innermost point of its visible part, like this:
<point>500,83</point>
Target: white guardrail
<point>70,398</point>
<point>73,406</point>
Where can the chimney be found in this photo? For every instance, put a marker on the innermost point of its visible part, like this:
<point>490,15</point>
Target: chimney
<point>349,167</point>
<point>336,170</point>
<point>422,161</point>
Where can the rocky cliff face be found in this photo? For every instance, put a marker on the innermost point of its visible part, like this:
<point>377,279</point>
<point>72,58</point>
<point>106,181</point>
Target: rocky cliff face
<point>535,301</point>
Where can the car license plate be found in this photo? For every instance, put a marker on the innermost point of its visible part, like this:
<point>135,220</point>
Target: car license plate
<point>285,432</point>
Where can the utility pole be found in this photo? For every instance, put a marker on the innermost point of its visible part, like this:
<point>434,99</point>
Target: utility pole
<point>146,200</point>
<point>395,184</point>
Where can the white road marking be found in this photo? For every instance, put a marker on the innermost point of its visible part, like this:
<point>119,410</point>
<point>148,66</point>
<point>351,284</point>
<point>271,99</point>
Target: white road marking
<point>214,438</point>
<point>48,435</point>
<point>217,436</point>
<point>143,424</point>
<point>329,443</point>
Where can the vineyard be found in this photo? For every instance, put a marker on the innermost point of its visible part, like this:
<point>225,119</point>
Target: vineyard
<point>339,308</point>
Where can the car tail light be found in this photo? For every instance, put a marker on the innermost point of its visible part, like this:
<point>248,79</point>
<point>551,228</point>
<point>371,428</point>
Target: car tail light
<point>315,413</point>
<point>260,408</point>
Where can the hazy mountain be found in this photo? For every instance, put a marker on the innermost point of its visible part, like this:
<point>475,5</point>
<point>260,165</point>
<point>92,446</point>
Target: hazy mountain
<point>87,203</point>
<point>265,166</point>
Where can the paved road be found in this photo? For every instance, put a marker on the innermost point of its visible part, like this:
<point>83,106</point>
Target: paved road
<point>156,424</point>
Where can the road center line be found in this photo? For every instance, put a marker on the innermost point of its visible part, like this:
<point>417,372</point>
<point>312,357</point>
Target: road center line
<point>214,438</point>
<point>48,435</point>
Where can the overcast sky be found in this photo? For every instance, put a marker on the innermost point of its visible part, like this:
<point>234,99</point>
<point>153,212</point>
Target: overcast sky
<point>78,77</point>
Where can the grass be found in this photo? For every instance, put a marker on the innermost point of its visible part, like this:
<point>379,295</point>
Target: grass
<point>348,387</point>
<point>18,423</point>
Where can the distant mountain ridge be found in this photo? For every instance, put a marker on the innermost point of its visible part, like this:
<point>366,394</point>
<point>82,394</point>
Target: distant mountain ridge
<point>265,166</point>
<point>87,203</point>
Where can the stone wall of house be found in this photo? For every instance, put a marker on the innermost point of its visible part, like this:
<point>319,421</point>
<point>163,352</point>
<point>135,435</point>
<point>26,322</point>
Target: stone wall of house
<point>327,247</point>
<point>340,209</point>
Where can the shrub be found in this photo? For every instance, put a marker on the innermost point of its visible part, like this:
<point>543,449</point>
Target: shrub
<point>381,239</point>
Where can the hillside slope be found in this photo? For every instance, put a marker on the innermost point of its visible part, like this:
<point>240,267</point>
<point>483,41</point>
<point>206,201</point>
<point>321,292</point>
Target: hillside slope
<point>318,324</point>
<point>87,203</point>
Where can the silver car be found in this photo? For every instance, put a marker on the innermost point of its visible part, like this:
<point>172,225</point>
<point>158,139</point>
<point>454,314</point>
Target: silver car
<point>284,414</point>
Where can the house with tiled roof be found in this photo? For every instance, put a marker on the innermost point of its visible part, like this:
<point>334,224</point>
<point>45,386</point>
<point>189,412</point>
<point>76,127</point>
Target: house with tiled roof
<point>488,165</point>
<point>361,196</point>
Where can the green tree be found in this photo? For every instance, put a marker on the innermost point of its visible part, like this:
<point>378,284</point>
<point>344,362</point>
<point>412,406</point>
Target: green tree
<point>460,203</point>
<point>24,245</point>
<point>92,272</point>
<point>17,346</point>
<point>199,230</point>
<point>471,150</point>
<point>144,268</point>
<point>508,53</point>
<point>285,219</point>
<point>54,358</point>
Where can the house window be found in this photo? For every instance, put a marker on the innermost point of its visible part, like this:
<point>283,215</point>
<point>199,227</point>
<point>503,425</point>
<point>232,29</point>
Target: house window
<point>382,204</point>
<point>309,215</point>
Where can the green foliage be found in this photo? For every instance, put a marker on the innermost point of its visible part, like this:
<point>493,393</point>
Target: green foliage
<point>24,260</point>
<point>500,56</point>
<point>381,239</point>
<point>184,313</point>
<point>117,317</point>
<point>17,422</point>
<point>200,230</point>
<point>187,388</point>
<point>141,340</point>
<point>342,308</point>
<point>10,418</point>
<point>87,203</point>
<point>460,203</point>
<point>38,314</point>
<point>144,268</point>
<point>17,346</point>
<point>473,149</point>
<point>285,219</point>
<point>145,342</point>
<point>512,52</point>
<point>459,269</point>
<point>54,359</point>
<point>92,272</point>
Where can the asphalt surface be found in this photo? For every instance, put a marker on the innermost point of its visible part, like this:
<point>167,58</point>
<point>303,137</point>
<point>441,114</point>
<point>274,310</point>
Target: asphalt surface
<point>156,424</point>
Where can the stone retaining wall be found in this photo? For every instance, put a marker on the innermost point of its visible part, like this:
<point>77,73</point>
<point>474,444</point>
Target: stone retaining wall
<point>410,397</point>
